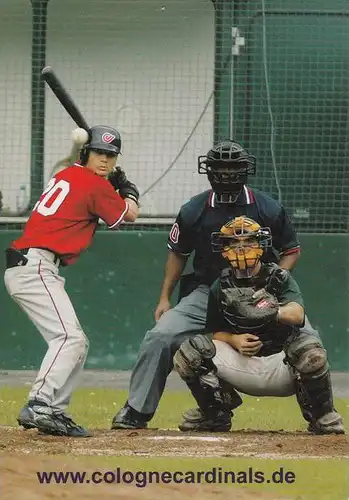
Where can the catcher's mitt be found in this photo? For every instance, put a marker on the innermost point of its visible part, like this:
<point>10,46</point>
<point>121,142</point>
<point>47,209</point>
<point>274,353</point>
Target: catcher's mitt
<point>247,310</point>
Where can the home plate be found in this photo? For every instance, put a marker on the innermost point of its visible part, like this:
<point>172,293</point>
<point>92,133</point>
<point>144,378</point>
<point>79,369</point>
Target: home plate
<point>188,438</point>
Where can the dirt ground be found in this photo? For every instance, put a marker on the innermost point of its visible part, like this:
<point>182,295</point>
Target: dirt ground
<point>172,443</point>
<point>25,452</point>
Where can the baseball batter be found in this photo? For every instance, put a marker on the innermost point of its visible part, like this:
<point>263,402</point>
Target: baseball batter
<point>61,226</point>
<point>254,344</point>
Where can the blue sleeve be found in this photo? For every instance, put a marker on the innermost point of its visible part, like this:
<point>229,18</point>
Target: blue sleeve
<point>181,237</point>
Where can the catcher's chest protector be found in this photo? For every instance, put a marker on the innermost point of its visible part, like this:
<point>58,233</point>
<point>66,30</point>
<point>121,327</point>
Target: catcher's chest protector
<point>271,277</point>
<point>273,335</point>
<point>227,280</point>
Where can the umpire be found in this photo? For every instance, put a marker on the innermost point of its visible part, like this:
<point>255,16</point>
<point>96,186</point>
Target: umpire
<point>227,166</point>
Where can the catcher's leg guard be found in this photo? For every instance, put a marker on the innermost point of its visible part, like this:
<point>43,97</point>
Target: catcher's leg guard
<point>214,418</point>
<point>193,362</point>
<point>194,357</point>
<point>306,354</point>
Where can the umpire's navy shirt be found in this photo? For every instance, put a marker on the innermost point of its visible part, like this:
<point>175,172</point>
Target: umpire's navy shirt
<point>201,216</point>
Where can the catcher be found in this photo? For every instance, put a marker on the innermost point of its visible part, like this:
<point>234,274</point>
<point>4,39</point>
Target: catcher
<point>252,343</point>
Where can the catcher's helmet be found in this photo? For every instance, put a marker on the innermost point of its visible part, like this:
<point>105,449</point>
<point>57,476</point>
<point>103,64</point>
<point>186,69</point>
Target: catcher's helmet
<point>101,138</point>
<point>242,241</point>
<point>227,166</point>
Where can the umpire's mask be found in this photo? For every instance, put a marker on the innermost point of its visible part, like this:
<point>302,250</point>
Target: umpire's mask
<point>227,166</point>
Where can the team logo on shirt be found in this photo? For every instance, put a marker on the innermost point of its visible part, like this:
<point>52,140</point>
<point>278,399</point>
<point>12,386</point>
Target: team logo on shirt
<point>174,233</point>
<point>108,138</point>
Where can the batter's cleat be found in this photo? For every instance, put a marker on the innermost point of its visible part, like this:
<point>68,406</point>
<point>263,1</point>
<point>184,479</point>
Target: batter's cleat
<point>212,420</point>
<point>33,413</point>
<point>38,415</point>
<point>61,424</point>
<point>128,418</point>
<point>331,423</point>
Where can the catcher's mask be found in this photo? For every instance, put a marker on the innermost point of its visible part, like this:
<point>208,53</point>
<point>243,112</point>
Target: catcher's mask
<point>242,242</point>
<point>101,139</point>
<point>227,166</point>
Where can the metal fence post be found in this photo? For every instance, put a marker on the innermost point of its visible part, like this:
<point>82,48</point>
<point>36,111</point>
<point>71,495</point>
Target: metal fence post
<point>224,11</point>
<point>39,20</point>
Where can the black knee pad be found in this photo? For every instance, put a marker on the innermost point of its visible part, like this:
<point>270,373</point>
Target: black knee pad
<point>307,356</point>
<point>203,345</point>
<point>194,357</point>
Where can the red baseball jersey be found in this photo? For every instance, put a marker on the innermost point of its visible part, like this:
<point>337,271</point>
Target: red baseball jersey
<point>65,218</point>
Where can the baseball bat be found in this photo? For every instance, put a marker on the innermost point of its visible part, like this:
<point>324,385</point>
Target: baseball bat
<point>52,80</point>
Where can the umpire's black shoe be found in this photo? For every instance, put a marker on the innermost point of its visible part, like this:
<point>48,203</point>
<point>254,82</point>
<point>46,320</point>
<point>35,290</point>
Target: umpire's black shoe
<point>214,420</point>
<point>128,418</point>
<point>38,415</point>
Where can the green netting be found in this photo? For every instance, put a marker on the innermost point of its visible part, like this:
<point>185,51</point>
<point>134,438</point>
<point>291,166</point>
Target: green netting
<point>173,76</point>
<point>291,107</point>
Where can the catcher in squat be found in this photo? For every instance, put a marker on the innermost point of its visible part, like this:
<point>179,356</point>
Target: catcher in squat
<point>253,342</point>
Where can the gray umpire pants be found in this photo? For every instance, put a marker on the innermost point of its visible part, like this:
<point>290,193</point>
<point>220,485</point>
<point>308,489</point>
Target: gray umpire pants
<point>154,362</point>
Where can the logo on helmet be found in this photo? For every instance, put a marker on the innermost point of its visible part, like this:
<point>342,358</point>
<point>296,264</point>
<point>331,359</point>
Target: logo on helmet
<point>108,138</point>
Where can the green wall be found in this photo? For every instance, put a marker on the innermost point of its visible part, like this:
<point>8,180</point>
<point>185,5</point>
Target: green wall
<point>114,288</point>
<point>291,106</point>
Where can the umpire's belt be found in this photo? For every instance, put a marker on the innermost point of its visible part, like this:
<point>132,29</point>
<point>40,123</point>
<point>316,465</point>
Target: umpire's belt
<point>16,257</point>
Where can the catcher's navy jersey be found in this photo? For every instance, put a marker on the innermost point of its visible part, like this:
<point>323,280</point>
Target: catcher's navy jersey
<point>201,215</point>
<point>274,335</point>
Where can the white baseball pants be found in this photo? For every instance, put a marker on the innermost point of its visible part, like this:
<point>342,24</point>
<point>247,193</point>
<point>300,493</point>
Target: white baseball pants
<point>255,376</point>
<point>39,291</point>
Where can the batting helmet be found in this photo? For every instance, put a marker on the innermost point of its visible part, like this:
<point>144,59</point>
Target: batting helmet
<point>102,138</point>
<point>227,166</point>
